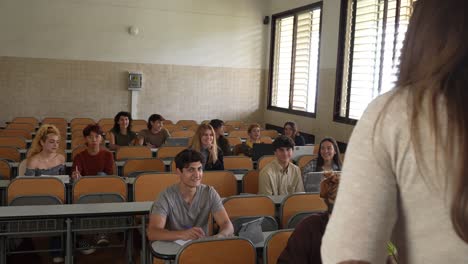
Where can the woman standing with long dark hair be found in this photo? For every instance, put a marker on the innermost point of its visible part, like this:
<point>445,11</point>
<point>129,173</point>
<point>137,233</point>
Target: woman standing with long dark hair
<point>405,177</point>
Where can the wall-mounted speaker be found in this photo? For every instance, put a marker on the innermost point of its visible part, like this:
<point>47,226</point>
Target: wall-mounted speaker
<point>266,20</point>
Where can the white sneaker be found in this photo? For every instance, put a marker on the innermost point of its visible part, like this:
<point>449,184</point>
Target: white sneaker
<point>102,240</point>
<point>58,260</point>
<point>85,247</point>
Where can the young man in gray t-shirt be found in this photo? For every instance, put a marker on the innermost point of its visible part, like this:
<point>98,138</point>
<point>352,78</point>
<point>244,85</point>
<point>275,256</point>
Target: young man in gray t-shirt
<point>181,211</point>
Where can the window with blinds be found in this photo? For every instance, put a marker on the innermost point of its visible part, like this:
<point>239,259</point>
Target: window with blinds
<point>295,49</point>
<point>372,37</point>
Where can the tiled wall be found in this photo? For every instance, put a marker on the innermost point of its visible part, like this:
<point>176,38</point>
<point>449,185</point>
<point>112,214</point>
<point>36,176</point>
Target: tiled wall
<point>70,88</point>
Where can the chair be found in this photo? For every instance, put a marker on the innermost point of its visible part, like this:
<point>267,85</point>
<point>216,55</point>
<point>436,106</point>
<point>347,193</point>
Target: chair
<point>297,218</point>
<point>77,132</point>
<point>213,251</point>
<point>103,121</point>
<point>300,202</point>
<point>186,123</point>
<point>54,120</point>
<point>167,122</point>
<point>139,122</point>
<point>36,186</point>
<point>129,152</point>
<point>171,128</point>
<point>107,127</point>
<point>234,123</point>
<point>228,128</point>
<point>101,189</point>
<point>22,167</point>
<point>224,182</point>
<point>30,120</point>
<point>26,126</point>
<point>81,121</point>
<point>77,141</point>
<point>250,182</point>
<point>10,153</point>
<point>140,165</point>
<point>169,152</point>
<point>149,185</point>
<point>17,142</point>
<point>173,167</point>
<point>193,128</point>
<point>78,129</point>
<point>139,127</point>
<point>304,160</point>
<point>62,127</point>
<point>275,244</point>
<point>270,133</point>
<point>5,170</point>
<point>263,161</point>
<point>238,163</point>
<point>245,208</point>
<point>16,133</point>
<point>183,133</point>
<point>239,133</point>
<point>234,141</point>
<point>266,140</point>
<point>91,185</point>
<point>77,150</point>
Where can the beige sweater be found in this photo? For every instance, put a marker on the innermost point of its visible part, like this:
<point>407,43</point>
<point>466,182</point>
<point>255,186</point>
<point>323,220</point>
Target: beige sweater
<point>383,196</point>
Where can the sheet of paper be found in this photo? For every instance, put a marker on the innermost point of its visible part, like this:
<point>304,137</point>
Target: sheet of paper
<point>182,242</point>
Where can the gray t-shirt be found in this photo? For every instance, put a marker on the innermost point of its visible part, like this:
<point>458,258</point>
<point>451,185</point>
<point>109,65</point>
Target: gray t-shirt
<point>180,215</point>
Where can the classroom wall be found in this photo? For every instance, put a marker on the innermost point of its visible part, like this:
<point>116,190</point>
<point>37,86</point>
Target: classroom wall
<point>200,59</point>
<point>323,125</point>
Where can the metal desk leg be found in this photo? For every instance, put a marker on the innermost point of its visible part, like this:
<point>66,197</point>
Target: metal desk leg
<point>3,250</point>
<point>129,246</point>
<point>144,257</point>
<point>68,251</point>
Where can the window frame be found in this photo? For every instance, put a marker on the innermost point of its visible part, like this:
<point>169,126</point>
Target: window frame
<point>280,15</point>
<point>344,7</point>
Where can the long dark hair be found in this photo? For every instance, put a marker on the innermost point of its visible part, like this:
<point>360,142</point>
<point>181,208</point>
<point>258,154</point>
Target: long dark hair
<point>116,127</point>
<point>434,69</point>
<point>336,157</point>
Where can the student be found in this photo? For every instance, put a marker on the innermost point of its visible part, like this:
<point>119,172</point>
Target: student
<point>43,158</point>
<point>328,157</point>
<point>406,174</point>
<point>223,144</point>
<point>155,135</point>
<point>304,244</point>
<point>204,142</point>
<point>291,130</point>
<point>94,160</point>
<point>280,176</point>
<point>246,148</point>
<point>121,134</point>
<point>182,210</point>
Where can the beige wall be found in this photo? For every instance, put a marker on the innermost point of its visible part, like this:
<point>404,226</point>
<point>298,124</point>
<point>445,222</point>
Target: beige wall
<point>323,125</point>
<point>71,88</point>
<point>200,59</point>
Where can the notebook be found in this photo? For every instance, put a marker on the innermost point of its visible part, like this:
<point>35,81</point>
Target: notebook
<point>177,142</point>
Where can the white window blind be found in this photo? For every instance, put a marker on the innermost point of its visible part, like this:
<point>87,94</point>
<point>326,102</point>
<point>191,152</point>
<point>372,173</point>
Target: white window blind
<point>375,33</point>
<point>295,60</point>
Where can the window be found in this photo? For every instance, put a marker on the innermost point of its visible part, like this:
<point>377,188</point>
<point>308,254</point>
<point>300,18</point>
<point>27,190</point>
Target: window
<point>294,60</point>
<point>372,34</point>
